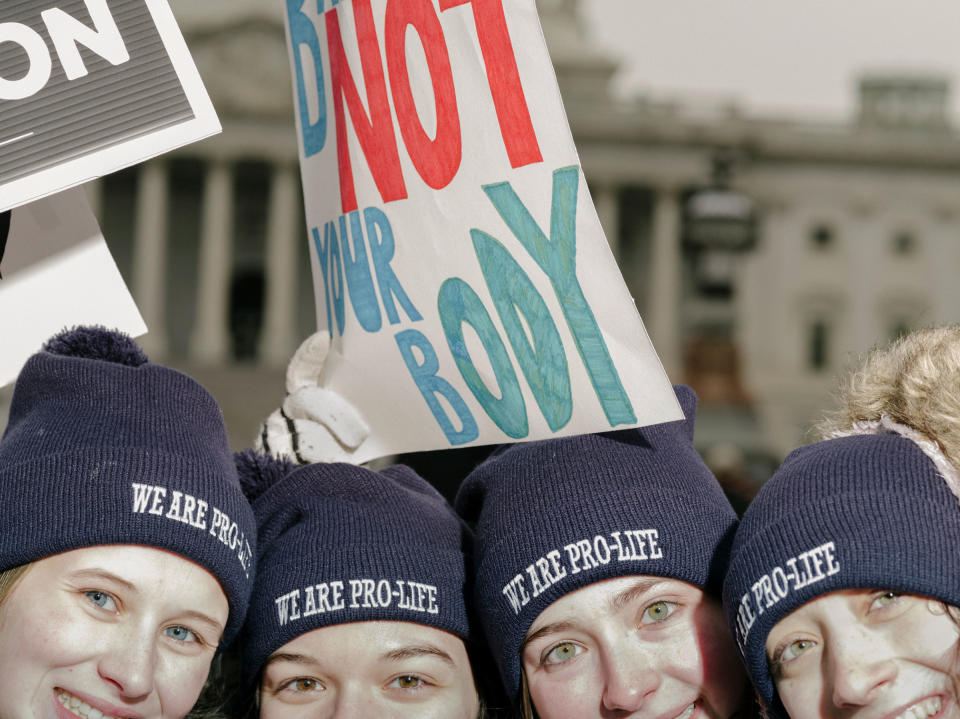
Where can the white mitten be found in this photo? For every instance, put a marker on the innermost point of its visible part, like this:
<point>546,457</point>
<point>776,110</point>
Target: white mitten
<point>314,424</point>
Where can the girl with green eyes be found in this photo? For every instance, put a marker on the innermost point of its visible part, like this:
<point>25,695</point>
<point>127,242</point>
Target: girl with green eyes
<point>844,576</point>
<point>114,592</point>
<point>598,565</point>
<point>359,607</point>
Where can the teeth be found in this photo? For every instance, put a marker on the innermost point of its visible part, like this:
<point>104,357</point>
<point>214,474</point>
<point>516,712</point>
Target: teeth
<point>688,712</point>
<point>81,708</point>
<point>923,710</point>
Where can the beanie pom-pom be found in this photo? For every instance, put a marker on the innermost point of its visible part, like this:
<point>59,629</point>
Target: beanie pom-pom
<point>258,471</point>
<point>99,343</point>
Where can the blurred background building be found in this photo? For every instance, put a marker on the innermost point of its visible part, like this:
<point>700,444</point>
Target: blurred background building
<point>763,253</point>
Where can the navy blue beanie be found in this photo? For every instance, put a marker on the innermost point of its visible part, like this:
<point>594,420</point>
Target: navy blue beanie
<point>340,544</point>
<point>860,512</point>
<point>557,515</point>
<point>104,447</point>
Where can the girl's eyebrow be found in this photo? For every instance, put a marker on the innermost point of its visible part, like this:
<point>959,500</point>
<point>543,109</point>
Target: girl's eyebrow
<point>286,657</point>
<point>102,574</point>
<point>418,650</point>
<point>545,631</point>
<point>399,654</point>
<point>206,619</point>
<point>641,587</point>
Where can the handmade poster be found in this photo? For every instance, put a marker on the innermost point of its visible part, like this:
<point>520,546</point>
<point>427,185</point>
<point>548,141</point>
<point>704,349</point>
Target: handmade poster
<point>88,87</point>
<point>458,260</point>
<point>56,272</point>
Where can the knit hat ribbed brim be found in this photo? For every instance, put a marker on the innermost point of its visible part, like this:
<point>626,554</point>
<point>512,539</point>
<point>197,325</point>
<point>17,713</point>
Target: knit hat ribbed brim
<point>104,447</point>
<point>340,544</point>
<point>558,515</point>
<point>858,512</point>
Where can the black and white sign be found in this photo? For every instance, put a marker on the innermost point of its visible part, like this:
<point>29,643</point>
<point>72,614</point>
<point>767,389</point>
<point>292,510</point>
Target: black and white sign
<point>88,87</point>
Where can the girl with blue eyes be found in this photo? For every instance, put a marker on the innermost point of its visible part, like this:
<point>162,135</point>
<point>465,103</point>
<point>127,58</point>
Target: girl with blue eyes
<point>358,608</point>
<point>844,578</point>
<point>126,556</point>
<point>597,573</point>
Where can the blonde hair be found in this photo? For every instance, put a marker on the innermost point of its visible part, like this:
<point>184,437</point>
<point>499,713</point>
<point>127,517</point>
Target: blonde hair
<point>9,579</point>
<point>527,702</point>
<point>915,381</point>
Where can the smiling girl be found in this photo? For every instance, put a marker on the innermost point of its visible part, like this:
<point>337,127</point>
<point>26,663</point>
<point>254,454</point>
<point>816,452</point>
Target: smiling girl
<point>845,576</point>
<point>843,581</point>
<point>359,606</point>
<point>598,566</point>
<point>126,556</point>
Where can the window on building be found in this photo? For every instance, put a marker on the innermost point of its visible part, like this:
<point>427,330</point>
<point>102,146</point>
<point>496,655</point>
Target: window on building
<point>246,311</point>
<point>251,188</point>
<point>822,237</point>
<point>818,351</point>
<point>904,243</point>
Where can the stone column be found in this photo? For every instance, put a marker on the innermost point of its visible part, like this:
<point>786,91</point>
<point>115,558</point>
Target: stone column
<point>278,334</point>
<point>664,318</point>
<point>210,341</point>
<point>150,255</point>
<point>606,200</point>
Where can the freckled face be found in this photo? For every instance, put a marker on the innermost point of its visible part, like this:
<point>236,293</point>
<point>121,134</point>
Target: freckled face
<point>866,653</point>
<point>114,631</point>
<point>633,647</point>
<point>389,670</point>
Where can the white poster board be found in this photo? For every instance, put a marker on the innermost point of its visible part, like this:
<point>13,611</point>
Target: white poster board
<point>458,260</point>
<point>56,272</point>
<point>91,86</point>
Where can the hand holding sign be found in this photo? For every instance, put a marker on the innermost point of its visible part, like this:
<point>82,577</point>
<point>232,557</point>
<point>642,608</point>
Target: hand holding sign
<point>314,424</point>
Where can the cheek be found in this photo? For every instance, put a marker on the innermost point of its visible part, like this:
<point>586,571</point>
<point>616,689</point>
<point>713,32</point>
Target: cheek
<point>453,703</point>
<point>569,694</point>
<point>463,699</point>
<point>931,639</point>
<point>42,637</point>
<point>723,678</point>
<point>179,681</point>
<point>273,708</point>
<point>801,697</point>
<point>35,640</point>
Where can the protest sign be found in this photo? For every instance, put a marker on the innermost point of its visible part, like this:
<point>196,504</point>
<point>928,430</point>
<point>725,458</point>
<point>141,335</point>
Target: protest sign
<point>458,261</point>
<point>88,87</point>
<point>56,272</point>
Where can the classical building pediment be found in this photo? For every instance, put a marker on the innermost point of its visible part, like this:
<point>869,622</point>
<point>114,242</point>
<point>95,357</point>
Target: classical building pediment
<point>237,85</point>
